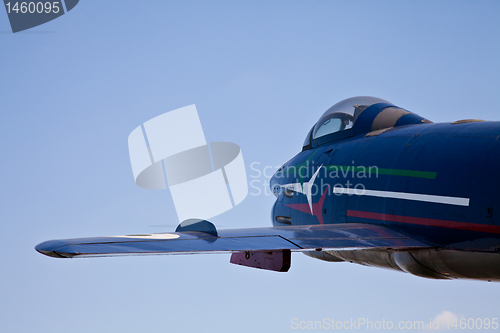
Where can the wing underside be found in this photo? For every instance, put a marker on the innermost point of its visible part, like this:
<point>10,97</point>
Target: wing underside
<point>352,236</point>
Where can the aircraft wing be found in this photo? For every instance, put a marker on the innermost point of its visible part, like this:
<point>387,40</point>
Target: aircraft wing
<point>184,241</point>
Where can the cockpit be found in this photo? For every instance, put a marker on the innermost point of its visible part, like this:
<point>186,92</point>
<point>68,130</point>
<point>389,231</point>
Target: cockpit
<point>345,116</point>
<point>342,115</point>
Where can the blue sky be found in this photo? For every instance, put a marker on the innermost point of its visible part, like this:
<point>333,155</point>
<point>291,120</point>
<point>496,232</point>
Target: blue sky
<point>260,73</point>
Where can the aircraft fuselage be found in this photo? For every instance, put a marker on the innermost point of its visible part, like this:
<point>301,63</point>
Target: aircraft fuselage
<point>437,182</point>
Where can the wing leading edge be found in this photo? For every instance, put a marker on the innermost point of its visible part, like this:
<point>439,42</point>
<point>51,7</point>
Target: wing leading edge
<point>294,238</point>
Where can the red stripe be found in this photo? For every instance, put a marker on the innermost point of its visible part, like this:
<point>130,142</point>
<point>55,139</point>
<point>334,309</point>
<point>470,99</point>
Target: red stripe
<point>427,222</point>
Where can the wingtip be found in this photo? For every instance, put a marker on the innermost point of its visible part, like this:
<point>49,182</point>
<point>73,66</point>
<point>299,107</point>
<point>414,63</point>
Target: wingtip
<point>49,248</point>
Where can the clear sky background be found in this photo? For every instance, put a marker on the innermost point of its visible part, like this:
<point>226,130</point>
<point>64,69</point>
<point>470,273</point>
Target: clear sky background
<point>260,73</point>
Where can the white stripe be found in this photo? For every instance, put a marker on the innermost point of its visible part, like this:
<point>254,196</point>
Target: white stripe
<point>402,195</point>
<point>150,236</point>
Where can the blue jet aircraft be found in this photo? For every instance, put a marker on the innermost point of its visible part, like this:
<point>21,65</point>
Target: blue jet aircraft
<point>375,185</point>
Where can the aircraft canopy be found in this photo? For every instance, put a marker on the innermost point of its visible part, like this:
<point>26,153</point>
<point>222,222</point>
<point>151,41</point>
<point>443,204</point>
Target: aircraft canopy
<point>342,115</point>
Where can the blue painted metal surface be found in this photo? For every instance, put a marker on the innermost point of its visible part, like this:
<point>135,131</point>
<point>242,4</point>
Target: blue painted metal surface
<point>295,238</point>
<point>464,158</point>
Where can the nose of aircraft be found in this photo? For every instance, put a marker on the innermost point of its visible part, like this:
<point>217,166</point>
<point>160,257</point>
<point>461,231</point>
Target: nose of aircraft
<point>49,248</point>
<point>274,183</point>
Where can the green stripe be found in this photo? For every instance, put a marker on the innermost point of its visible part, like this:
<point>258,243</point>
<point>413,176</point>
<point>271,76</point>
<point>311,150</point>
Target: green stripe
<point>382,171</point>
<point>296,167</point>
<point>367,170</point>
